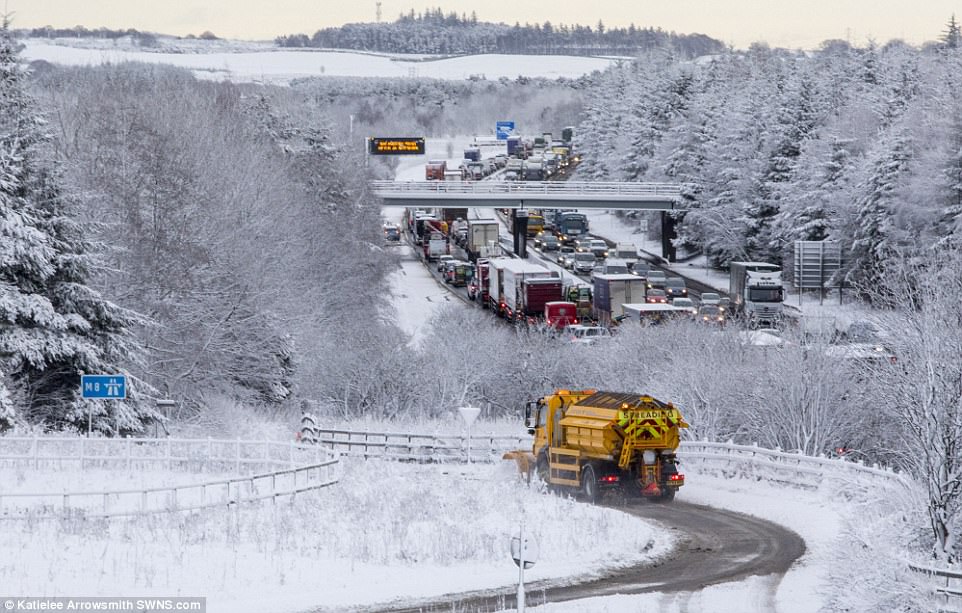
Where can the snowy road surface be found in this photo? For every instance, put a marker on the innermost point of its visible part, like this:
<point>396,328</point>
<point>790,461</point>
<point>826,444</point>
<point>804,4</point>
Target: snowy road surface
<point>715,546</point>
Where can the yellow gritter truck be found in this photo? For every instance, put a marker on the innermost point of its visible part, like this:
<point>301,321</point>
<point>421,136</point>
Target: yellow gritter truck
<point>591,442</point>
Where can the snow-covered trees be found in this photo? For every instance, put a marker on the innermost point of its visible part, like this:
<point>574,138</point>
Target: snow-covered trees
<point>435,32</point>
<point>771,146</point>
<point>923,389</point>
<point>239,226</point>
<point>874,244</point>
<point>53,325</point>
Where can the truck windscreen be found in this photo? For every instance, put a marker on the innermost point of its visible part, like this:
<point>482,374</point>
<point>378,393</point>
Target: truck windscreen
<point>765,295</point>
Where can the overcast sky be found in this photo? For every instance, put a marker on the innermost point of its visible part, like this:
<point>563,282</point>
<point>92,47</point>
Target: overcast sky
<point>799,23</point>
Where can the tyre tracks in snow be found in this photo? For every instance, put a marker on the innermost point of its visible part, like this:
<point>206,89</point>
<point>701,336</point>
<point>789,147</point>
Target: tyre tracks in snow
<point>713,546</point>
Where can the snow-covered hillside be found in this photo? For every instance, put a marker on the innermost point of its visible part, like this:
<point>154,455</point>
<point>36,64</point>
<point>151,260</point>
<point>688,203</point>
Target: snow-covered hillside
<point>271,65</point>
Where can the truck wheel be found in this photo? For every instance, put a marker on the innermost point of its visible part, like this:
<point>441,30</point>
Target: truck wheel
<point>667,494</point>
<point>589,484</point>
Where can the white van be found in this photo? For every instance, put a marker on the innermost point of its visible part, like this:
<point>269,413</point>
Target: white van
<point>627,252</point>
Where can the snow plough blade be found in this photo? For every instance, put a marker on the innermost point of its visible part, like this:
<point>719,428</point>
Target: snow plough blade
<point>525,461</point>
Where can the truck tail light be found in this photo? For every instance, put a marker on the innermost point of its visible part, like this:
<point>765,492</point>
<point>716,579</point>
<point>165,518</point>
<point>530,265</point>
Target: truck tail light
<point>609,479</point>
<point>676,477</point>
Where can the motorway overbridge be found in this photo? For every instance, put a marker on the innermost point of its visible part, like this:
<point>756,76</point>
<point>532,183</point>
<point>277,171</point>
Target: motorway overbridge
<point>522,195</point>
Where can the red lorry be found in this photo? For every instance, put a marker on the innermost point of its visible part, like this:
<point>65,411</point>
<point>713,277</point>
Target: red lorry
<point>518,289</point>
<point>478,286</point>
<point>435,169</point>
<point>560,313</point>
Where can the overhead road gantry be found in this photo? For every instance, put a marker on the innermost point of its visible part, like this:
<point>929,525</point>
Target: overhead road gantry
<point>520,195</point>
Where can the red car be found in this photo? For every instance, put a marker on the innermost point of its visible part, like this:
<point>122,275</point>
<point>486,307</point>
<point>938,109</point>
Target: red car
<point>656,296</point>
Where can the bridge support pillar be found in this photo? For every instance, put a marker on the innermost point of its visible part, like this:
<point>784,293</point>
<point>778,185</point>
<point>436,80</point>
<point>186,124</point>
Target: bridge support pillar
<point>668,234</point>
<point>519,227</point>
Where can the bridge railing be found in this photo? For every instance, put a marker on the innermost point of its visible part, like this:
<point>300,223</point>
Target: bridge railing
<point>597,188</point>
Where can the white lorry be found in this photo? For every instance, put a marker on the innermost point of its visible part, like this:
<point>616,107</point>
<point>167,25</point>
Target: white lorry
<point>756,292</point>
<point>482,240</point>
<point>627,252</point>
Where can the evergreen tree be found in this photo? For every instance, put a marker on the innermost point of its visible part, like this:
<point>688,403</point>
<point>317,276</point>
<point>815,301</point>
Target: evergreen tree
<point>813,220</point>
<point>688,144</point>
<point>874,245</point>
<point>795,121</point>
<point>952,36</point>
<point>870,65</point>
<point>53,326</point>
<point>949,225</point>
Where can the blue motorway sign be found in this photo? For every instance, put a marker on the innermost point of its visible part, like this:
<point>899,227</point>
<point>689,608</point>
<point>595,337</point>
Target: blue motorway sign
<point>504,129</point>
<point>104,386</point>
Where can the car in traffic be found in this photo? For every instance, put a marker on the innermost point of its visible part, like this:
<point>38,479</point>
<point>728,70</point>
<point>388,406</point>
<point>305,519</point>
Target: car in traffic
<point>546,241</point>
<point>392,232</point>
<point>599,248</point>
<point>613,266</point>
<point>566,256</point>
<point>585,335</point>
<point>711,298</point>
<point>656,296</point>
<point>641,268</point>
<point>675,287</point>
<point>443,260</point>
<point>710,314</point>
<point>684,303</point>
<point>656,279</point>
<point>584,262</point>
<point>582,245</point>
<point>550,243</point>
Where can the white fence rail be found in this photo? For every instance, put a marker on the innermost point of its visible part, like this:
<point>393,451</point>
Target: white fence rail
<point>274,470</point>
<point>415,447</point>
<point>949,581</point>
<point>795,468</point>
<point>783,466</point>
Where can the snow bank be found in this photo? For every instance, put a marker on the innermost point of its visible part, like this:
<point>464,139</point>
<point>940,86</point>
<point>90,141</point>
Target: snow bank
<point>388,531</point>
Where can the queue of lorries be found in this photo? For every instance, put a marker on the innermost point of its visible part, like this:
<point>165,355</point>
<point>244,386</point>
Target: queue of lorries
<point>622,287</point>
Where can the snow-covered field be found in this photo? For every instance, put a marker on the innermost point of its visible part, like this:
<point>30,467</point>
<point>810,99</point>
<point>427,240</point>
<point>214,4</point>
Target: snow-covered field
<point>281,66</point>
<point>68,478</point>
<point>387,531</point>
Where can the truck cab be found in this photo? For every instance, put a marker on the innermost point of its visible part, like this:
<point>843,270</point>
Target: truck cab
<point>756,292</point>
